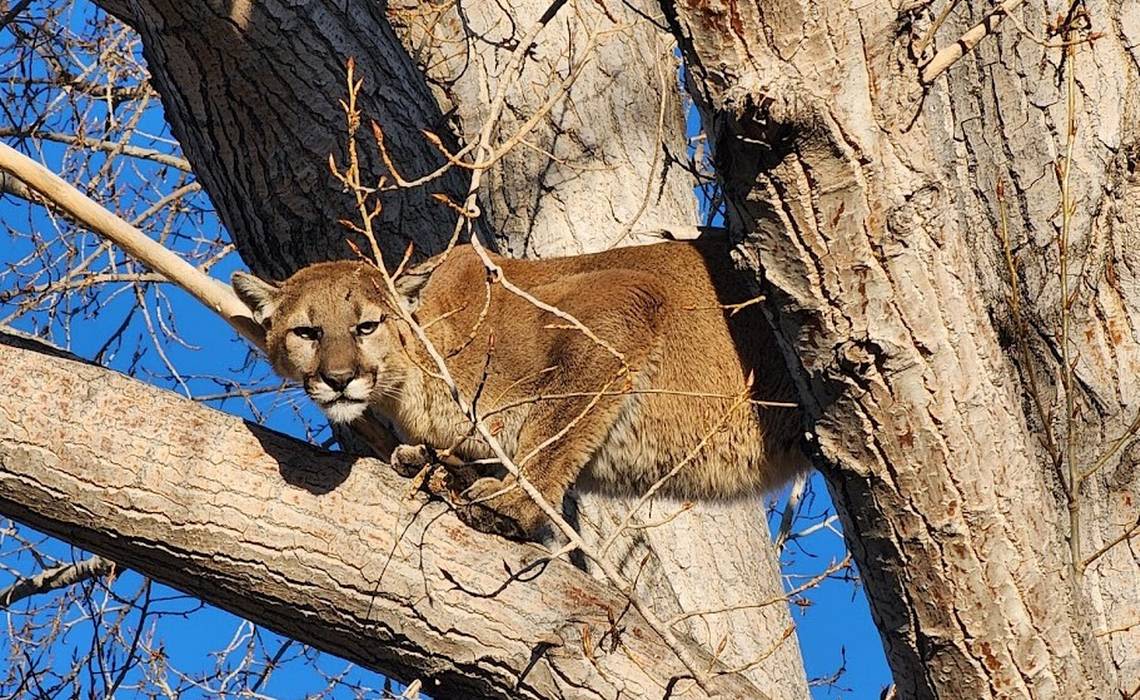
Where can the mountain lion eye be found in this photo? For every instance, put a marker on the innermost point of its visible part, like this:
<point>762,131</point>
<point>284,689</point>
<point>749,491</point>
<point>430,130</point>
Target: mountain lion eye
<point>367,327</point>
<point>307,332</point>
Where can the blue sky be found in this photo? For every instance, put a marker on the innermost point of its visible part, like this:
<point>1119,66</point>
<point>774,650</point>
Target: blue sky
<point>833,621</point>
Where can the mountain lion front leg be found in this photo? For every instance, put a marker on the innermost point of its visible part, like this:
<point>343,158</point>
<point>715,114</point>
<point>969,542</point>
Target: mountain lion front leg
<point>561,433</point>
<point>501,506</point>
<point>410,460</point>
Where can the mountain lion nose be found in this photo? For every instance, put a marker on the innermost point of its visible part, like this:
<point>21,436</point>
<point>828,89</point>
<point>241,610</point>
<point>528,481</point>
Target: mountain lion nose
<point>337,381</point>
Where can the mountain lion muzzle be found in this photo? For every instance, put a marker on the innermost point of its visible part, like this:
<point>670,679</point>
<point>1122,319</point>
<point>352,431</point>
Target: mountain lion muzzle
<point>560,404</point>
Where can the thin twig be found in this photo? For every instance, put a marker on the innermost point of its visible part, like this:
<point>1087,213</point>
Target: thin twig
<point>1023,331</point>
<point>1074,484</point>
<point>742,400</point>
<point>783,598</point>
<point>1111,449</point>
<point>658,149</point>
<point>1127,534</point>
<point>261,678</point>
<point>112,147</point>
<point>920,46</point>
<point>14,12</point>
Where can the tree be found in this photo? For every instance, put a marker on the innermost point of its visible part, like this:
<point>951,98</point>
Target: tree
<point>293,223</point>
<point>947,266</point>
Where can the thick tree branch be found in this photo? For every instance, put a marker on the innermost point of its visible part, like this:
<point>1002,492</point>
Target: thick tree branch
<point>326,548</point>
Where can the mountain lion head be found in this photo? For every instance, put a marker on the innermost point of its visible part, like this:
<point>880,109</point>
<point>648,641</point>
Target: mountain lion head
<point>333,328</point>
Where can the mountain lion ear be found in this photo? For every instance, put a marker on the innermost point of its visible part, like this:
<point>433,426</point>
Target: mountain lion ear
<point>260,296</point>
<point>409,285</point>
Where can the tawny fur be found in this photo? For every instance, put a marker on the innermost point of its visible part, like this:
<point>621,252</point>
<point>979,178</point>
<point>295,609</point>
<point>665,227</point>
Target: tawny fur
<point>661,306</point>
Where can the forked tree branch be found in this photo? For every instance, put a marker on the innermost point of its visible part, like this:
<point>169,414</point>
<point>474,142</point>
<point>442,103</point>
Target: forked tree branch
<point>325,548</point>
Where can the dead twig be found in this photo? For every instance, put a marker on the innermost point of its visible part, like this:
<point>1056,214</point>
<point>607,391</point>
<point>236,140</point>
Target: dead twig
<point>102,145</point>
<point>811,583</point>
<point>1128,533</point>
<point>920,46</point>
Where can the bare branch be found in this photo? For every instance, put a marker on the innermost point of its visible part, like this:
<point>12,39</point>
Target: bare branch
<point>213,294</point>
<point>1128,533</point>
<point>13,12</point>
<point>13,186</point>
<point>102,145</point>
<point>54,579</point>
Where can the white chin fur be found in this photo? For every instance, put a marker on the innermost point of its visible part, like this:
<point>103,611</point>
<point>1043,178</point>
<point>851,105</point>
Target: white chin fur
<point>344,411</point>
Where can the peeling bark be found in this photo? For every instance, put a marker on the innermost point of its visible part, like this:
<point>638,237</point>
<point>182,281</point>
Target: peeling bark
<point>326,548</point>
<point>869,209</point>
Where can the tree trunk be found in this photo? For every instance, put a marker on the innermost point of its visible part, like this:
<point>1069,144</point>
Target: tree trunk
<point>600,166</point>
<point>873,202</point>
<point>332,550</point>
<point>607,163</point>
<point>252,92</point>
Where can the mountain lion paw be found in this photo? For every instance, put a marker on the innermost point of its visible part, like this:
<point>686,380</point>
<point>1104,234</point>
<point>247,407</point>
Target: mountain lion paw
<point>501,507</point>
<point>409,460</point>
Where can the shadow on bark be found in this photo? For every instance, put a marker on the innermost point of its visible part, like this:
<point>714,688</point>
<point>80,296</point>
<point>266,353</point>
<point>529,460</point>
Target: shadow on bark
<point>304,466</point>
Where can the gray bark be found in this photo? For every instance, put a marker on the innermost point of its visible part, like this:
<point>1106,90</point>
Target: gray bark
<point>251,92</point>
<point>332,550</point>
<point>871,202</point>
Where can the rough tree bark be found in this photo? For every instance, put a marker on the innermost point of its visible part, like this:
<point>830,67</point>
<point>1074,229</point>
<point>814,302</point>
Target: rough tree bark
<point>251,90</point>
<point>872,201</point>
<point>333,550</point>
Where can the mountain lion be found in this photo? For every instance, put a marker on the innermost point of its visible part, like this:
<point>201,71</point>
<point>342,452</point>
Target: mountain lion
<point>560,403</point>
